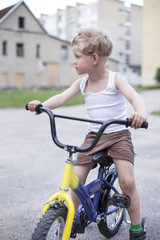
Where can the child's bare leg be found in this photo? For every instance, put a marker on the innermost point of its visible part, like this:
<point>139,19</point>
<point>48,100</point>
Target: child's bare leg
<point>82,172</point>
<point>127,183</point>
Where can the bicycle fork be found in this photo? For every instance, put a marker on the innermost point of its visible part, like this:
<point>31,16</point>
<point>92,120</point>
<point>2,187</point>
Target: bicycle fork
<point>63,196</point>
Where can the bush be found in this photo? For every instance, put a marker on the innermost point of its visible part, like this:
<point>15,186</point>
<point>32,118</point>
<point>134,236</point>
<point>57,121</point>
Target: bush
<point>157,76</point>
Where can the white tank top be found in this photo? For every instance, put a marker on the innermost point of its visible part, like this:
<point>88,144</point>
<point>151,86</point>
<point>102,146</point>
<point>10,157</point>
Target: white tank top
<point>105,105</point>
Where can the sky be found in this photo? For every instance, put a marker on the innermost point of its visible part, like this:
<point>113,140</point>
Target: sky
<point>49,6</point>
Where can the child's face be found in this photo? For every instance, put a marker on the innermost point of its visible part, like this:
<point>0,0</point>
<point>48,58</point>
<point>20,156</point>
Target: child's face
<point>82,62</point>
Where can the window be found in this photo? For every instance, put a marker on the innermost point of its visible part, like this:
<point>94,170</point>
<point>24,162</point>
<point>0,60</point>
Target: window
<point>37,51</point>
<point>62,18</point>
<point>21,22</point>
<point>121,10</point>
<point>128,18</point>
<point>64,52</point>
<point>128,31</point>
<point>4,48</point>
<point>127,59</point>
<point>72,19</point>
<point>20,50</point>
<point>127,44</point>
<point>120,53</point>
<point>20,80</point>
<point>5,80</point>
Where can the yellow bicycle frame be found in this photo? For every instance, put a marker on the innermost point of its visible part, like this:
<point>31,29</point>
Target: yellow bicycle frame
<point>69,180</point>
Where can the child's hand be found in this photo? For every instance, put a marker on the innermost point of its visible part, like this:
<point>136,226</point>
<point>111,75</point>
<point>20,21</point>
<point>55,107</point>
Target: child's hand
<point>32,105</point>
<point>137,119</point>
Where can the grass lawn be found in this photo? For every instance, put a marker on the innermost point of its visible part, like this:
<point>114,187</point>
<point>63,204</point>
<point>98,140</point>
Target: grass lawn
<point>154,87</point>
<point>19,98</point>
<point>156,113</point>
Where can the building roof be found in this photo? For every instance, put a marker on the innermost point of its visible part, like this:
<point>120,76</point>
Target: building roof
<point>4,11</point>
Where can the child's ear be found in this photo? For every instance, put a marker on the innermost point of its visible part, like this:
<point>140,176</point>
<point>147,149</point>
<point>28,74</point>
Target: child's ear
<point>95,58</point>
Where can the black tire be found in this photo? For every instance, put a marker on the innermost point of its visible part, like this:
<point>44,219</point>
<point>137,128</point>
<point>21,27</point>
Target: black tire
<point>111,223</point>
<point>51,225</point>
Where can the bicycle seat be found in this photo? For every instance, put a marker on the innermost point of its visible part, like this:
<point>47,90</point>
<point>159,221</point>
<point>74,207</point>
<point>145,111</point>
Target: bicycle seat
<point>102,158</point>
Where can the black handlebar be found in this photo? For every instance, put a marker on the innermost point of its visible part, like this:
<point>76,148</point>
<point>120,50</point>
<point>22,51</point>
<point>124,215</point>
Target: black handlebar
<point>70,148</point>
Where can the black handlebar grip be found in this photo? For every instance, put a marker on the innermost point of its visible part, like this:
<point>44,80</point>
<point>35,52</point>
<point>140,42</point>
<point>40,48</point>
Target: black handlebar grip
<point>129,123</point>
<point>37,110</point>
<point>26,107</point>
<point>144,125</point>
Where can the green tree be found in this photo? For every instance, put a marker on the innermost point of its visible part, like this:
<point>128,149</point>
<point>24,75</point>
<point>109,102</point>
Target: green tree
<point>157,76</point>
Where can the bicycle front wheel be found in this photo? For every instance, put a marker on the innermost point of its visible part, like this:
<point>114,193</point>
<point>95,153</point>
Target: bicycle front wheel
<point>112,222</point>
<point>51,225</point>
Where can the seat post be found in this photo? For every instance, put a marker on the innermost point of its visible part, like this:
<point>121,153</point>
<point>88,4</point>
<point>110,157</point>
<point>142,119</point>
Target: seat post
<point>101,172</point>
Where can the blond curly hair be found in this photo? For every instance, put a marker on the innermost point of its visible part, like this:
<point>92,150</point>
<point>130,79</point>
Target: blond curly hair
<point>93,40</point>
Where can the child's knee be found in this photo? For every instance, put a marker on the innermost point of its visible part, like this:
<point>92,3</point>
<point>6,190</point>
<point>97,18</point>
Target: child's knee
<point>127,185</point>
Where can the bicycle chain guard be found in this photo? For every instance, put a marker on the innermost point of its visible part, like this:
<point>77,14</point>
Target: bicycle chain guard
<point>120,200</point>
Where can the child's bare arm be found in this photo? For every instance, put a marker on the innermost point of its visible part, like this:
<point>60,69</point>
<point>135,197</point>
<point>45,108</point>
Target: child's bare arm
<point>59,99</point>
<point>140,114</point>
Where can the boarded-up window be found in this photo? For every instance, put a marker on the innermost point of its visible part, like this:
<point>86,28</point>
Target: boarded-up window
<point>20,80</point>
<point>4,80</point>
<point>53,75</point>
<point>38,80</point>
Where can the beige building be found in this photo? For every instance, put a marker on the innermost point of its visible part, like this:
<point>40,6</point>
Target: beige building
<point>151,41</point>
<point>29,57</point>
<point>124,24</point>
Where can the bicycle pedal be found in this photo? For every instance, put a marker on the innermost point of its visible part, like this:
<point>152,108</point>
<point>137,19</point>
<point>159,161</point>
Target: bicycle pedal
<point>77,229</point>
<point>120,200</point>
<point>80,229</point>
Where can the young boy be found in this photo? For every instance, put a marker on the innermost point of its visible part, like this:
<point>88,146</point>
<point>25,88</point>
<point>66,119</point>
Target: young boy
<point>104,93</point>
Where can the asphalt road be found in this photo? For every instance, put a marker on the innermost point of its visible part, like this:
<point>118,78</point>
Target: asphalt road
<point>31,168</point>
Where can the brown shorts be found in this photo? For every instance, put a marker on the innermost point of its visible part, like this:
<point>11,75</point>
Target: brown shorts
<point>119,145</point>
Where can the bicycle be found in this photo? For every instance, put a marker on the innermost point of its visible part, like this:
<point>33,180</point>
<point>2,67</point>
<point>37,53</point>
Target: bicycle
<point>101,200</point>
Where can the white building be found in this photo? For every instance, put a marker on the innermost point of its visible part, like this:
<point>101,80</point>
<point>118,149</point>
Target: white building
<point>124,24</point>
<point>29,56</point>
